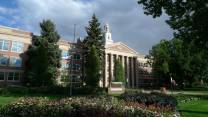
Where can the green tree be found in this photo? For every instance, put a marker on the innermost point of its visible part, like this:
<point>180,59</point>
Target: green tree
<point>119,71</point>
<point>172,59</point>
<point>160,59</point>
<point>93,68</point>
<point>94,37</point>
<point>44,56</point>
<point>187,18</point>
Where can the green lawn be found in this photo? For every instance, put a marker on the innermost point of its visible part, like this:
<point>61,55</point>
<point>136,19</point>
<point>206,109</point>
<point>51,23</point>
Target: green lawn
<point>7,99</point>
<point>194,109</point>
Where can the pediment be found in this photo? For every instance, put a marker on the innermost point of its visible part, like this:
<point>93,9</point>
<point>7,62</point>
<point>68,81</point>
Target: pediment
<point>121,47</point>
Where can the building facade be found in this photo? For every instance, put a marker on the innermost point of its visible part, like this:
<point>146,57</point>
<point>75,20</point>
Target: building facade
<point>132,61</point>
<point>14,43</point>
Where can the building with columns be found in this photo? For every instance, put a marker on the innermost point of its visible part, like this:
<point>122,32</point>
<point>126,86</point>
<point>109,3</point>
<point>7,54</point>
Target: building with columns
<point>129,57</point>
<point>14,43</point>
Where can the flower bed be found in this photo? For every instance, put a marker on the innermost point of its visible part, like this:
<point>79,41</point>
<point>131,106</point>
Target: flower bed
<point>73,107</point>
<point>153,101</point>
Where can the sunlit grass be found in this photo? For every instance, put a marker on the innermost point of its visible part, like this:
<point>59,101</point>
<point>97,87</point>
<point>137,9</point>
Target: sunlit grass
<point>198,108</point>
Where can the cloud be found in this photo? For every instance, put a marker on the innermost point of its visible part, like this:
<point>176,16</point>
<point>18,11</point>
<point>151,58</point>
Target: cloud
<point>8,16</point>
<point>127,21</point>
<point>5,10</point>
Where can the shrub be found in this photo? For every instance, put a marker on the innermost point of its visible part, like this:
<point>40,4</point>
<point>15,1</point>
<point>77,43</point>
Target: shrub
<point>74,107</point>
<point>85,90</point>
<point>149,100</point>
<point>14,90</point>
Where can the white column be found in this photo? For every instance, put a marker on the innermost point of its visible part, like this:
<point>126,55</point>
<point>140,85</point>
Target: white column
<point>136,77</point>
<point>111,68</point>
<point>132,71</point>
<point>127,68</point>
<point>106,70</point>
<point>122,61</point>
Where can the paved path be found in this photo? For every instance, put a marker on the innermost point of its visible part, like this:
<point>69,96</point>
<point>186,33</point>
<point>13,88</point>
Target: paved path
<point>180,92</point>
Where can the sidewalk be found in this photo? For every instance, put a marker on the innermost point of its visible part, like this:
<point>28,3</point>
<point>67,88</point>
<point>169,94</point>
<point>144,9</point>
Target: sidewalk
<point>179,92</point>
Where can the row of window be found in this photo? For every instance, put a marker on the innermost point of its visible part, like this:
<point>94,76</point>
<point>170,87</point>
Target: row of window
<point>10,76</point>
<point>16,46</point>
<point>143,64</point>
<point>75,67</point>
<point>12,61</point>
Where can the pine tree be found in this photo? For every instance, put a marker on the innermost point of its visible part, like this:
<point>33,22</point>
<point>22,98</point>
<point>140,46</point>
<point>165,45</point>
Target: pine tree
<point>93,68</point>
<point>44,56</point>
<point>119,71</point>
<point>94,37</point>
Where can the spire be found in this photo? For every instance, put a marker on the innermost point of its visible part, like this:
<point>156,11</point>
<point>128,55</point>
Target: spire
<point>106,28</point>
<point>107,34</point>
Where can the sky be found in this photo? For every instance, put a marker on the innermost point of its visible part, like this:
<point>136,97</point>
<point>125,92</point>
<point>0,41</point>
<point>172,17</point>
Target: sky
<point>126,19</point>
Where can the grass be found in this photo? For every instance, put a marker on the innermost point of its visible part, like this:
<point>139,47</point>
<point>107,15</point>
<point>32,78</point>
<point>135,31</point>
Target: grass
<point>7,99</point>
<point>198,108</point>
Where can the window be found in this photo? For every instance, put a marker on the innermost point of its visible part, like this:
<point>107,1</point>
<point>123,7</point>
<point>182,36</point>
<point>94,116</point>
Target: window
<point>3,60</point>
<point>13,76</point>
<point>17,47</point>
<point>15,61</point>
<point>77,57</point>
<point>64,54</point>
<point>76,67</point>
<point>1,76</point>
<point>64,66</point>
<point>4,45</point>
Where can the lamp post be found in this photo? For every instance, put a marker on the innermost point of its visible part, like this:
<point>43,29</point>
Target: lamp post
<point>171,84</point>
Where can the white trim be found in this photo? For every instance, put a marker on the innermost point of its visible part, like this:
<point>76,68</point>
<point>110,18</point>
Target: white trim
<point>3,43</point>
<point>18,43</point>
<point>16,58</point>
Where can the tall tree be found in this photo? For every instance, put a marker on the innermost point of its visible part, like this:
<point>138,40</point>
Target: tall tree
<point>188,18</point>
<point>93,68</point>
<point>94,37</point>
<point>119,71</point>
<point>172,59</point>
<point>44,56</point>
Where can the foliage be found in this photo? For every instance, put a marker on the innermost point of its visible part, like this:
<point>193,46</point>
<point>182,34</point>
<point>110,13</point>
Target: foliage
<point>173,59</point>
<point>44,56</point>
<point>76,107</point>
<point>88,90</point>
<point>187,17</point>
<point>189,21</point>
<point>155,100</point>
<point>119,71</point>
<point>93,68</point>
<point>18,90</point>
<point>94,37</point>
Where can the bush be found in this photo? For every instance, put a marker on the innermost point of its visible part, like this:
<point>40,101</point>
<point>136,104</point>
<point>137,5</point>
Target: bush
<point>14,90</point>
<point>73,107</point>
<point>85,90</point>
<point>152,99</point>
<point>54,90</point>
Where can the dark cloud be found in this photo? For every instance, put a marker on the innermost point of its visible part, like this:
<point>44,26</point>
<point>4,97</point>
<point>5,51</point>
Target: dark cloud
<point>127,21</point>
